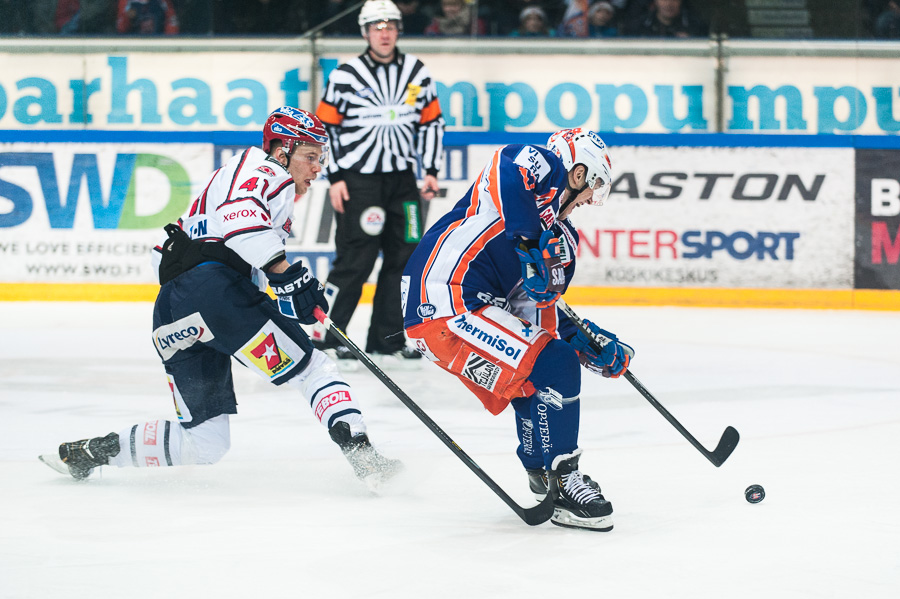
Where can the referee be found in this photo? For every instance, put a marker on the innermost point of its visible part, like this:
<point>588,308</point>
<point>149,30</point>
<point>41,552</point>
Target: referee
<point>382,115</point>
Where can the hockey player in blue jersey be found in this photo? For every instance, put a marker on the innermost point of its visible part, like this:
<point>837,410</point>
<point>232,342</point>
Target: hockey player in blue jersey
<point>212,307</point>
<point>479,298</point>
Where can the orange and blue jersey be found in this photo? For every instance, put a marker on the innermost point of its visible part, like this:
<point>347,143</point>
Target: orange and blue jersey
<point>467,259</point>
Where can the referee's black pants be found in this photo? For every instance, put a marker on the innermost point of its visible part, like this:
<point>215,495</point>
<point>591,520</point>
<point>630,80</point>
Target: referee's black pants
<point>362,232</point>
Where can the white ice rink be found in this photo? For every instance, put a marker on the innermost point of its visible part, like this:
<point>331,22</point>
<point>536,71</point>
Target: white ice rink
<point>814,394</point>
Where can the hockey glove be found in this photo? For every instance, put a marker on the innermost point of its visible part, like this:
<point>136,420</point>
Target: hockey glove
<point>543,276</point>
<point>610,361</point>
<point>298,293</point>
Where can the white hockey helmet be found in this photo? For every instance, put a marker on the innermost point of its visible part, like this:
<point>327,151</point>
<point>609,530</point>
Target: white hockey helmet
<point>584,147</point>
<point>379,11</point>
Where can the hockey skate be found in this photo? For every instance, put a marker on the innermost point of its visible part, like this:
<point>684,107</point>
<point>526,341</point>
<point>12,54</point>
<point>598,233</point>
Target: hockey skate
<point>369,466</point>
<point>344,358</point>
<point>402,359</point>
<point>578,503</point>
<point>539,485</point>
<point>79,458</point>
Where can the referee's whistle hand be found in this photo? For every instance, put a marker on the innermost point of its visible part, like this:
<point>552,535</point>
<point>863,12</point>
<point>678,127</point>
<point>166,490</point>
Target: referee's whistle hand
<point>429,188</point>
<point>338,194</point>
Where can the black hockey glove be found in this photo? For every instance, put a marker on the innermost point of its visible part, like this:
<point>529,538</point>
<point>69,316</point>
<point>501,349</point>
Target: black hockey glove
<point>298,293</point>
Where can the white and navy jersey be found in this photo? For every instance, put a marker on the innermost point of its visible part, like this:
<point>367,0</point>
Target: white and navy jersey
<point>467,259</point>
<point>380,117</point>
<point>248,204</point>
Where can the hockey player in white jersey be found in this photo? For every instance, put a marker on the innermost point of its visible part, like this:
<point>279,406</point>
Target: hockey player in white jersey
<point>213,270</point>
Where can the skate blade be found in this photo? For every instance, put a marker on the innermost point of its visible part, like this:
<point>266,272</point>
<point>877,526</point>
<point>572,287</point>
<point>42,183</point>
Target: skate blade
<point>379,480</point>
<point>57,464</point>
<point>568,520</point>
<point>52,460</point>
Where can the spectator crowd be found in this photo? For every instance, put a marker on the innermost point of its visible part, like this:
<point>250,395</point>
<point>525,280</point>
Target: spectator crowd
<point>878,19</point>
<point>432,18</point>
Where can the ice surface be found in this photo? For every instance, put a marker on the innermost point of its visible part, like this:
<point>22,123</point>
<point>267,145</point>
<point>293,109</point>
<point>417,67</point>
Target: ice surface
<point>815,395</point>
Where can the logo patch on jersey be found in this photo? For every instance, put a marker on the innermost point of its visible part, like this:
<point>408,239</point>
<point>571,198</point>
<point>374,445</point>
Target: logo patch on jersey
<point>150,432</point>
<point>412,94</point>
<point>529,158</point>
<point>485,336</point>
<point>423,349</point>
<point>565,250</point>
<point>266,170</point>
<point>270,352</point>
<point>371,221</point>
<point>243,214</point>
<point>264,353</point>
<point>198,229</point>
<point>489,299</point>
<point>482,372</point>
<point>287,226</point>
<point>332,399</point>
<point>181,334</point>
<point>426,310</point>
<point>181,409</point>
<point>548,216</point>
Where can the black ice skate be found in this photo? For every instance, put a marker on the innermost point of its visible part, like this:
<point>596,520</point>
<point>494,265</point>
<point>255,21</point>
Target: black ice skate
<point>578,503</point>
<point>79,458</point>
<point>342,353</point>
<point>537,482</point>
<point>369,466</point>
<point>402,359</point>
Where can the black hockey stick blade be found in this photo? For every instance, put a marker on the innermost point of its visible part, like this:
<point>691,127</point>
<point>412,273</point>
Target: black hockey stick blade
<point>532,516</point>
<point>729,438</point>
<point>726,445</point>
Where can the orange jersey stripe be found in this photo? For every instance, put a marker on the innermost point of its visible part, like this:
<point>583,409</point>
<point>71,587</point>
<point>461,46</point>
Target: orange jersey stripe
<point>328,114</point>
<point>548,319</point>
<point>494,183</point>
<point>430,112</point>
<point>476,189</point>
<point>460,271</point>
<point>431,258</point>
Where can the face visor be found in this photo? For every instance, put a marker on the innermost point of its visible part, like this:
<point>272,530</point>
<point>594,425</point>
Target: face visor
<point>321,159</point>
<point>601,192</point>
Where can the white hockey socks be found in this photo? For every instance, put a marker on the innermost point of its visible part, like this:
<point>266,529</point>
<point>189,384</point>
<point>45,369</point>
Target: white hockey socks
<point>165,443</point>
<point>329,396</point>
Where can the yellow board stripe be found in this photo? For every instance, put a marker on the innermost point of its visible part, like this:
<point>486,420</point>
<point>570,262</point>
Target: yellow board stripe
<point>827,299</point>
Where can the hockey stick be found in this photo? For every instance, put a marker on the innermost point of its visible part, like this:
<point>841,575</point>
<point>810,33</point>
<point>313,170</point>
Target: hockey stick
<point>531,516</point>
<point>729,438</point>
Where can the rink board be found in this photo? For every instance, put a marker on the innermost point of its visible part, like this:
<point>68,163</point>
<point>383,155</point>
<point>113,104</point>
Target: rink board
<point>686,225</point>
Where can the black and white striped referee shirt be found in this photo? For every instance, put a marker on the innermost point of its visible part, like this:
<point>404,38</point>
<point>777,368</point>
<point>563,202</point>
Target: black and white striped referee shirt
<point>381,116</point>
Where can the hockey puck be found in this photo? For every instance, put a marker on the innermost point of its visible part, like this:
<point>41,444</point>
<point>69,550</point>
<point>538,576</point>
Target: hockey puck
<point>755,493</point>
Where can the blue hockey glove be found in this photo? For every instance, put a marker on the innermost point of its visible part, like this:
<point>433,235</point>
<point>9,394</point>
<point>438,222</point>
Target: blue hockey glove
<point>298,293</point>
<point>543,276</point>
<point>610,361</point>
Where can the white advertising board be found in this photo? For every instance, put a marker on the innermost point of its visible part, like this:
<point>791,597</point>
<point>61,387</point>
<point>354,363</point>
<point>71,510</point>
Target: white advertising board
<point>812,95</point>
<point>676,217</point>
<point>91,212</point>
<point>718,217</point>
<point>496,91</point>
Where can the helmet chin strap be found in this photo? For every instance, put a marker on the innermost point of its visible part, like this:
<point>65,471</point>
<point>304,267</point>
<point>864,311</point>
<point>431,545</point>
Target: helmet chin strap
<point>287,157</point>
<point>573,195</point>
